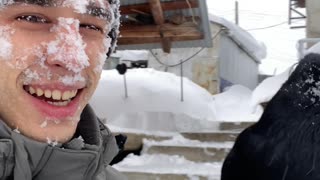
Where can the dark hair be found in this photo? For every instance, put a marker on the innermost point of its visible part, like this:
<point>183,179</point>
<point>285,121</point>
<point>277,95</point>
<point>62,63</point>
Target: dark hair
<point>114,32</point>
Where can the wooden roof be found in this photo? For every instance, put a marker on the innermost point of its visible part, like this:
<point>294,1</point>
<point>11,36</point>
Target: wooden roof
<point>148,24</point>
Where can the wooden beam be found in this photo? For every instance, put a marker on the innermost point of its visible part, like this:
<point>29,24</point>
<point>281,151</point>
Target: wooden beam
<point>150,34</point>
<point>166,6</point>
<point>166,43</point>
<point>156,10</point>
<point>166,26</point>
<point>152,39</point>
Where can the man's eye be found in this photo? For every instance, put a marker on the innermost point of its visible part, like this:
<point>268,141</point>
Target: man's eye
<point>32,19</point>
<point>91,27</point>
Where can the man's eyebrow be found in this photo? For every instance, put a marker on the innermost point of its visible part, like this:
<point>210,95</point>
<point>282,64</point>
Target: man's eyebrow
<point>92,9</point>
<point>45,3</point>
<point>99,12</point>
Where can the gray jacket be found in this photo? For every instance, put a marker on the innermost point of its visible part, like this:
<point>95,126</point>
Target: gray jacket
<point>84,158</point>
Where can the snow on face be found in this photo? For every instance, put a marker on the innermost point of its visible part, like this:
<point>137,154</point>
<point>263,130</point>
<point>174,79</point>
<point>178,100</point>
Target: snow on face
<point>5,41</point>
<point>30,76</point>
<point>78,6</point>
<point>70,80</point>
<point>103,55</point>
<point>69,47</point>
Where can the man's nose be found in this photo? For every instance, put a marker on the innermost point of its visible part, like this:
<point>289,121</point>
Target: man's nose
<point>67,49</point>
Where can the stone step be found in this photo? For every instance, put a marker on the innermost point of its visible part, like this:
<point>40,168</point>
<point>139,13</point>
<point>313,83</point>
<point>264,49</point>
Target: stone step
<point>164,167</point>
<point>135,141</point>
<point>220,136</point>
<point>154,176</point>
<point>196,154</point>
<point>190,149</point>
<point>234,126</point>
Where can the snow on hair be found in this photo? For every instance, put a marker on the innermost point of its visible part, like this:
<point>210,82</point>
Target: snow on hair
<point>114,32</point>
<point>114,26</point>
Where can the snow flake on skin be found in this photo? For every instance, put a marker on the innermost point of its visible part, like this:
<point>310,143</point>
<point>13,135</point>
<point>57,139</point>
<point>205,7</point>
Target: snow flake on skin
<point>71,80</point>
<point>44,124</point>
<point>5,41</point>
<point>30,76</point>
<point>78,6</point>
<point>68,48</point>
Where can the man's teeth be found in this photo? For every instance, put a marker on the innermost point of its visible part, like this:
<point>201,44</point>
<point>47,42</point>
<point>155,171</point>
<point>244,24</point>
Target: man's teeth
<point>54,94</point>
<point>64,103</point>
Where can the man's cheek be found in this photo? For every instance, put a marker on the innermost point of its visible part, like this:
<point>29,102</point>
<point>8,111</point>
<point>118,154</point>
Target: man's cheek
<point>101,56</point>
<point>6,42</point>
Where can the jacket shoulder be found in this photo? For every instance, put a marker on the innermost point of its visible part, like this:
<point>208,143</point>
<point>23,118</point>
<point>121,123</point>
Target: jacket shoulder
<point>110,173</point>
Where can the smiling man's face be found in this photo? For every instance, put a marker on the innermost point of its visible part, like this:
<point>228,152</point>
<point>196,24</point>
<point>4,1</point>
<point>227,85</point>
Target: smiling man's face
<point>51,57</point>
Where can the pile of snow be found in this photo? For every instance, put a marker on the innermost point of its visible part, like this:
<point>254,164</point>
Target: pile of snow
<point>154,103</point>
<point>164,164</point>
<point>234,105</point>
<point>268,88</point>
<point>131,55</point>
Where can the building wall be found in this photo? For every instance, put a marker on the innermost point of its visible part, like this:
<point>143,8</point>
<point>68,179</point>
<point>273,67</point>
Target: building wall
<point>313,14</point>
<point>224,60</point>
<point>235,65</point>
<point>202,69</point>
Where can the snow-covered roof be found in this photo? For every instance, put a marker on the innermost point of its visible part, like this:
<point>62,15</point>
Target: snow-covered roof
<point>132,55</point>
<point>255,48</point>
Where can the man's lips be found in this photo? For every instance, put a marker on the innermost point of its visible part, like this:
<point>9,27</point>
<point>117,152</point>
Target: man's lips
<point>55,103</point>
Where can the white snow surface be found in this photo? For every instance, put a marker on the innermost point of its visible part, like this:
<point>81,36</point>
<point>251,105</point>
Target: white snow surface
<point>254,47</point>
<point>234,105</point>
<point>268,88</point>
<point>314,49</point>
<point>162,164</point>
<point>179,141</point>
<point>154,103</point>
<point>131,55</point>
<point>150,91</point>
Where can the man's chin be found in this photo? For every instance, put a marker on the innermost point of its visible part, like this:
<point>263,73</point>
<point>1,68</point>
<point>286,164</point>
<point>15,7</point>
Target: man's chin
<point>52,134</point>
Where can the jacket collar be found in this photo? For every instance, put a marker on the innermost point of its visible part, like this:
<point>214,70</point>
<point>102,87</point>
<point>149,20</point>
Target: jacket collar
<point>81,158</point>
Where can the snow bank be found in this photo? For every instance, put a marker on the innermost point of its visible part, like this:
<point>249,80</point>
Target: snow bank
<point>234,105</point>
<point>268,88</point>
<point>164,164</point>
<point>132,55</point>
<point>154,103</point>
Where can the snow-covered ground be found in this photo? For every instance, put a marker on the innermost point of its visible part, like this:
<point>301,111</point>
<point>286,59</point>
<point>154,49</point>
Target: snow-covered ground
<point>154,102</point>
<point>162,164</point>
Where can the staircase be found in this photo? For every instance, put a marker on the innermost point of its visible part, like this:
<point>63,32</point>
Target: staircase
<point>180,156</point>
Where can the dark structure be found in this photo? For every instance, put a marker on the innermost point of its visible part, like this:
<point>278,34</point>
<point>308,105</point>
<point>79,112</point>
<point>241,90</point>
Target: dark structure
<point>284,144</point>
<point>295,12</point>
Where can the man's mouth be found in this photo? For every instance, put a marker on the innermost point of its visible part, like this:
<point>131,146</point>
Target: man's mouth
<point>53,97</point>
